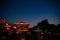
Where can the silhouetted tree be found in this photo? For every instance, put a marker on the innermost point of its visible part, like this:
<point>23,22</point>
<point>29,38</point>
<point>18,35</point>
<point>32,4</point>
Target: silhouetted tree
<point>52,27</point>
<point>43,24</point>
<point>58,27</point>
<point>1,26</point>
<point>1,29</point>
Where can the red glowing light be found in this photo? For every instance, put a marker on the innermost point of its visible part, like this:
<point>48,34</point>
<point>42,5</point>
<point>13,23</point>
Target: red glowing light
<point>3,21</point>
<point>7,28</point>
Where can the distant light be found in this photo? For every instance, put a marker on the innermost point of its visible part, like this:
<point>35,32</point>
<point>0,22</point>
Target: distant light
<point>49,32</point>
<point>7,24</point>
<point>42,33</point>
<point>7,28</point>
<point>21,23</point>
<point>14,27</point>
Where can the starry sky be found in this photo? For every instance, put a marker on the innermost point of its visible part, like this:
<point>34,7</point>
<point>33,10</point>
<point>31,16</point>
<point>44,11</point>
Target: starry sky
<point>30,11</point>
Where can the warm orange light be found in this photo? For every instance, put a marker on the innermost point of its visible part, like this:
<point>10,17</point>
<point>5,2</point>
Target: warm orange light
<point>14,27</point>
<point>21,23</point>
<point>22,38</point>
<point>7,28</point>
<point>20,30</point>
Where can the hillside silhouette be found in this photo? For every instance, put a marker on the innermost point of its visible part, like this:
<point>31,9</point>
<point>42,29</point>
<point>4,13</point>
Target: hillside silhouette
<point>45,31</point>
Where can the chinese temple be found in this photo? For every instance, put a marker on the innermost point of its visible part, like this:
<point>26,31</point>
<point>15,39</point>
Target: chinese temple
<point>21,27</point>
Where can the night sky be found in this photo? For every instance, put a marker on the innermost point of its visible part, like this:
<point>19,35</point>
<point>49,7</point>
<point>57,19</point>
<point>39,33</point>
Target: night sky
<point>30,11</point>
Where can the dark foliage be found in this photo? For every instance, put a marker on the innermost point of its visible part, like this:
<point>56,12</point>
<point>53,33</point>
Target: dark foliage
<point>49,32</point>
